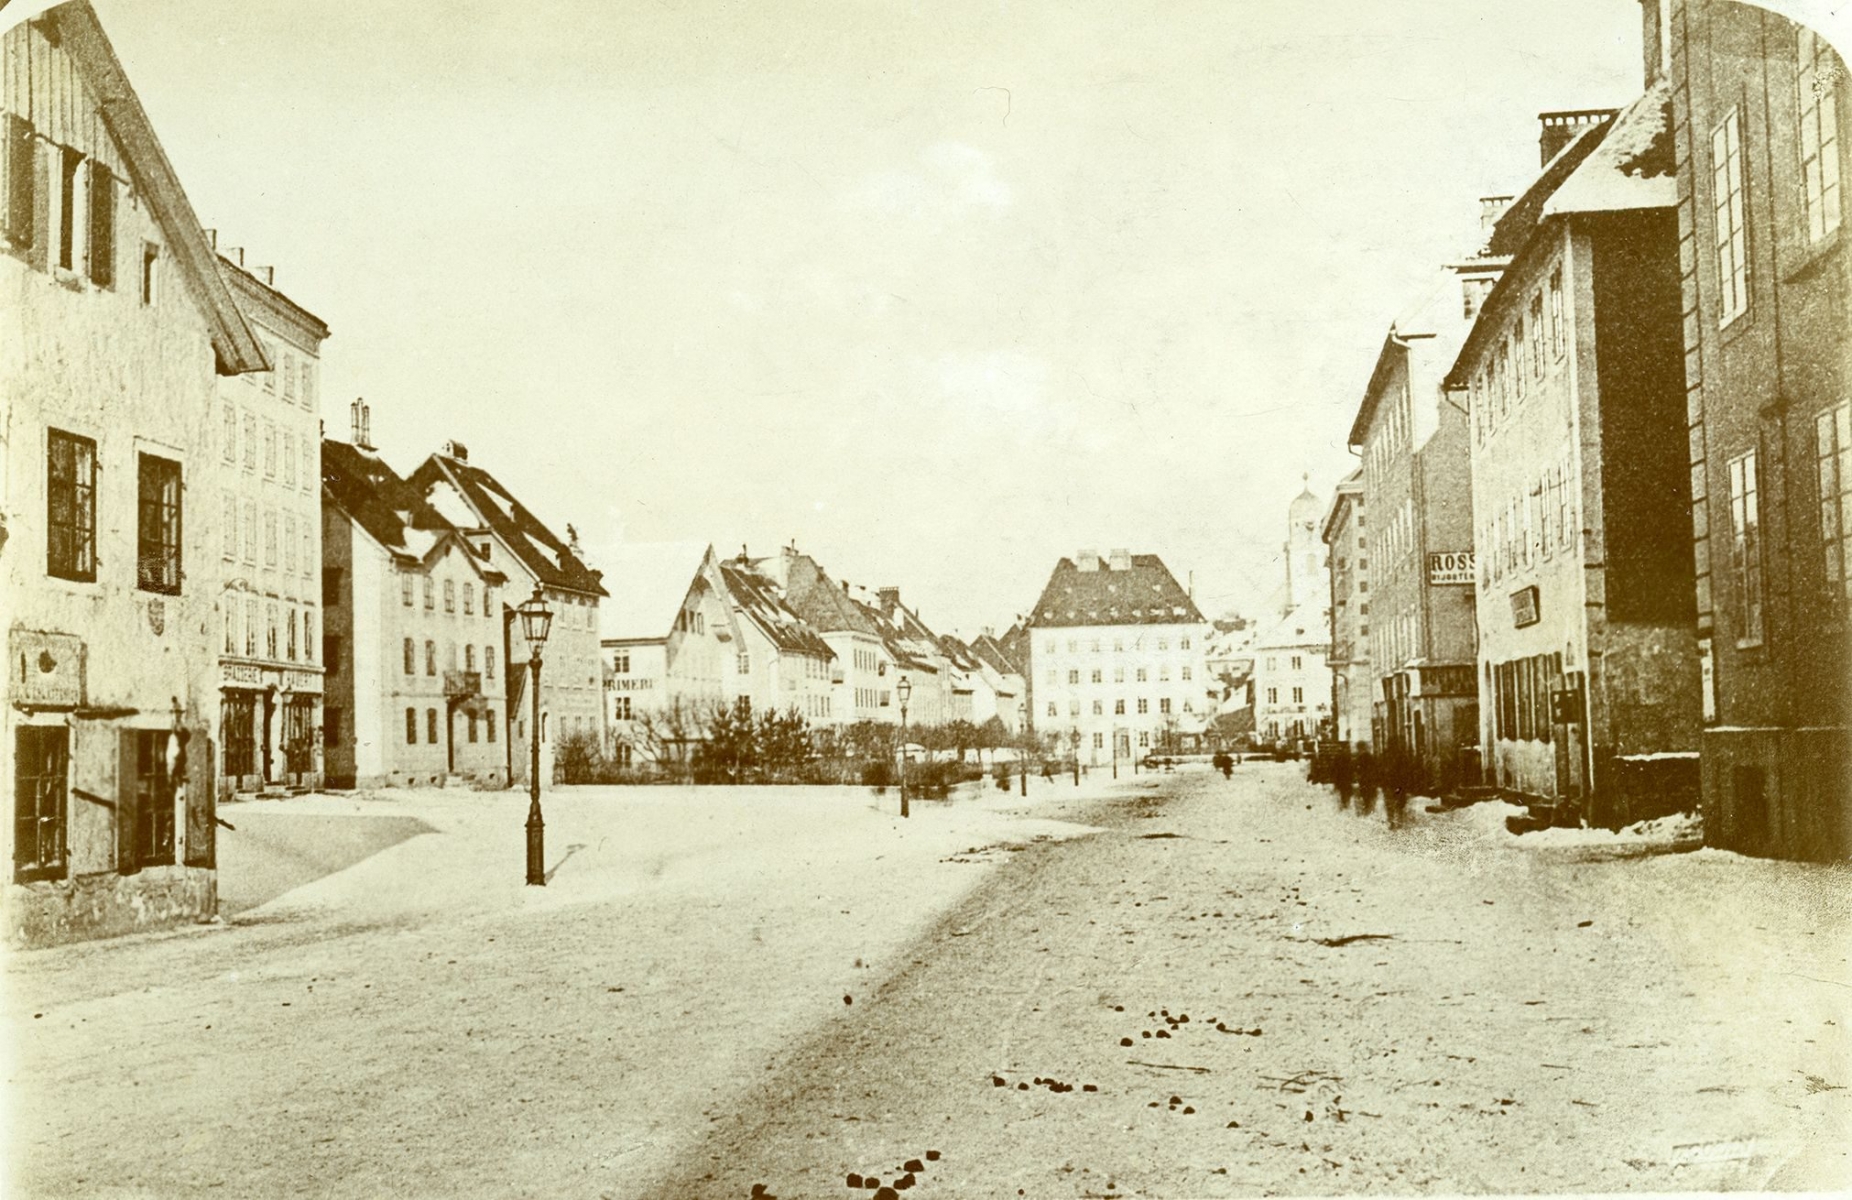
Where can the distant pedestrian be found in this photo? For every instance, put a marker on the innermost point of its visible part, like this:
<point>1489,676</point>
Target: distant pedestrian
<point>1343,774</point>
<point>1399,773</point>
<point>1367,780</point>
<point>1224,764</point>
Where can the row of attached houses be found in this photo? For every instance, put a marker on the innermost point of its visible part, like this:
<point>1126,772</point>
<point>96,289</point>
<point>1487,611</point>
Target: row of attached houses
<point>688,628</point>
<point>203,596</point>
<point>1607,464</point>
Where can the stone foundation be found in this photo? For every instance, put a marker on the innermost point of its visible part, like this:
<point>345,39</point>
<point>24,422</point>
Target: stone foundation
<point>55,912</point>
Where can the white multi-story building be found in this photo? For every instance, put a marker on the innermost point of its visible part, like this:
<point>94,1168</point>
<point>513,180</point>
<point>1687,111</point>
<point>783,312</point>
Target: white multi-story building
<point>1117,657</point>
<point>269,552</point>
<point>1291,684</point>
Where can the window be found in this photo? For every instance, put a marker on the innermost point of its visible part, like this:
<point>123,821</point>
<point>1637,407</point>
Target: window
<point>1144,739</point>
<point>1536,335</point>
<point>308,636</point>
<point>250,442</point>
<point>146,798</point>
<point>1118,708</point>
<point>1731,237</point>
<point>430,594</point>
<point>270,376</point>
<point>308,547</point>
<point>1099,676</point>
<point>1118,674</point>
<point>307,371</point>
<point>430,726</point>
<point>1051,709</point>
<point>250,628</point>
<point>450,656</point>
<point>308,465</point>
<point>745,664</point>
<point>1073,678</point>
<point>622,709</point>
<point>1099,741</point>
<point>1298,695</point>
<point>1099,709</point>
<point>1144,705</point>
<point>405,590</point>
<point>1183,643</point>
<point>450,595</point>
<point>68,162</point>
<point>1558,335</point>
<point>1298,663</point>
<point>469,599</point>
<point>1746,550</point>
<point>1818,80</point>
<point>1833,455</point>
<point>270,632</point>
<point>1142,674</point>
<point>1073,708</point>
<point>41,757</point>
<point>231,625</point>
<point>1163,643</point>
<point>289,458</point>
<point>1164,673</point>
<point>1164,705</point>
<point>1273,695</point>
<point>70,543</point>
<point>290,641</point>
<point>488,662</point>
<point>270,449</point>
<point>1186,674</point>
<point>289,542</point>
<point>150,271</point>
<point>430,658</point>
<point>469,657</point>
<point>228,435</point>
<point>411,727</point>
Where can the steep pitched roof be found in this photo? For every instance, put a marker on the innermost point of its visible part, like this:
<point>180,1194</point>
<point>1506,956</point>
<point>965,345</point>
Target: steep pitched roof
<point>989,650</point>
<point>1145,594</point>
<point>1520,219</point>
<point>822,602</point>
<point>390,510</point>
<point>545,556</point>
<point>649,581</point>
<point>1303,626</point>
<point>762,601</point>
<point>81,36</point>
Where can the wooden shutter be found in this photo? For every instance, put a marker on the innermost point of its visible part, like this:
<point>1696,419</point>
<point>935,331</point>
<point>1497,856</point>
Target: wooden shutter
<point>131,799</point>
<point>21,182</point>
<point>102,243</point>
<point>201,803</point>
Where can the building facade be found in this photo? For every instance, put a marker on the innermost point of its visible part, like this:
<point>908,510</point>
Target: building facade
<point>412,643</point>
<point>1346,539</point>
<point>116,329</point>
<point>781,664</point>
<point>1416,453</point>
<point>269,521</point>
<point>1573,375</point>
<point>513,541</point>
<point>1764,277</point>
<point>1116,652</point>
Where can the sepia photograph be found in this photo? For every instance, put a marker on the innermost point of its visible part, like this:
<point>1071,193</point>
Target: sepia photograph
<point>756,599</point>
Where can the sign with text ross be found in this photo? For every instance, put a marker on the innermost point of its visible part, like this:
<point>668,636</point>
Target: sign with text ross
<point>1524,607</point>
<point>1451,568</point>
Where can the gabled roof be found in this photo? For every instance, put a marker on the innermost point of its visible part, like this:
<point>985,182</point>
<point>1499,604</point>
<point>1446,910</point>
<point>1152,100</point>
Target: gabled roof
<point>822,602</point>
<point>1348,493</point>
<point>1635,173</point>
<point>545,556</point>
<point>1303,626</point>
<point>1144,594</point>
<point>762,601</point>
<point>1514,228</point>
<point>80,34</point>
<point>649,582</point>
<point>905,652</point>
<point>387,508</point>
<point>990,651</point>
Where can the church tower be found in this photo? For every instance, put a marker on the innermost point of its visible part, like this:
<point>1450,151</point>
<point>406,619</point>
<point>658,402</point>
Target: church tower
<point>1305,574</point>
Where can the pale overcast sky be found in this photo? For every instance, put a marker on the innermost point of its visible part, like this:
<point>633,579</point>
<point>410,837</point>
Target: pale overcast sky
<point>941,290</point>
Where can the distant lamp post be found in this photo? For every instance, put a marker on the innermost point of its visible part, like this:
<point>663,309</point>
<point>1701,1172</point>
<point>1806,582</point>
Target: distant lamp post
<point>903,689</point>
<point>536,623</point>
<point>1076,733</point>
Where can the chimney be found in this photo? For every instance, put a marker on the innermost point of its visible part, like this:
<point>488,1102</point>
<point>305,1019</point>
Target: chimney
<point>362,417</point>
<point>890,600</point>
<point>235,253</point>
<point>455,449</point>
<point>990,631</point>
<point>1491,208</point>
<point>267,274</point>
<point>1087,560</point>
<point>212,239</point>
<point>1561,127</point>
<point>1120,560</point>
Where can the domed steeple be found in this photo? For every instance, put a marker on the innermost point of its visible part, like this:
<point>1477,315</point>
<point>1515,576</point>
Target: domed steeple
<point>1303,567</point>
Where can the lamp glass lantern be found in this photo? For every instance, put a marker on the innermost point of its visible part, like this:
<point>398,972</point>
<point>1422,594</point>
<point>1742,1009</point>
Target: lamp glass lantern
<point>536,619</point>
<point>903,689</point>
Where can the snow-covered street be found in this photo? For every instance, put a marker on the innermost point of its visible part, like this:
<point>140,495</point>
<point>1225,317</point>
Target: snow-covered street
<point>1222,987</point>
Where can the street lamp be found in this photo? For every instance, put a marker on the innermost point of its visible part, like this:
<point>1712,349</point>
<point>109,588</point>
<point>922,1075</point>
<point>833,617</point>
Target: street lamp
<point>1076,735</point>
<point>903,689</point>
<point>536,623</point>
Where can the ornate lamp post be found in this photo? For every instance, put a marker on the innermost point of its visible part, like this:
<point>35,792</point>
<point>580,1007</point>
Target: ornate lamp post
<point>903,689</point>
<point>536,623</point>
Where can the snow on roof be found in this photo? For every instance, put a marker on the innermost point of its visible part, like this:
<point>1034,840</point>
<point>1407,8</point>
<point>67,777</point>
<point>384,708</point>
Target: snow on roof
<point>647,582</point>
<point>1303,626</point>
<point>1632,168</point>
<point>449,502</point>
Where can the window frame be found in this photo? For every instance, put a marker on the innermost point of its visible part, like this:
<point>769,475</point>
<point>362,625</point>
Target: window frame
<point>78,491</point>
<point>1729,218</point>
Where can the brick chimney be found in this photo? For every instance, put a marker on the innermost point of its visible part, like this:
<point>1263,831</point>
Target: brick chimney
<point>456,450</point>
<point>1120,560</point>
<point>1087,560</point>
<point>362,416</point>
<point>1561,127</point>
<point>889,598</point>
<point>1491,208</point>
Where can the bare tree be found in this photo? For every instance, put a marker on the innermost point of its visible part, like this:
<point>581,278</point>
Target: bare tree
<point>667,735</point>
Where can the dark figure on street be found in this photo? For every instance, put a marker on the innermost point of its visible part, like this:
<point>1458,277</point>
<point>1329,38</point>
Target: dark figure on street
<point>1224,764</point>
<point>1343,775</point>
<point>1399,782</point>
<point>1367,781</point>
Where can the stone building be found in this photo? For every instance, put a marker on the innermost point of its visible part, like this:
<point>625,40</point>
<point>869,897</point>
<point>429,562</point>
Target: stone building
<point>512,540</point>
<point>1573,376</point>
<point>413,642</point>
<point>668,640</point>
<point>1347,559</point>
<point>1416,454</point>
<point>1764,277</point>
<point>1116,658</point>
<point>780,663</point>
<point>268,515</point>
<point>866,667</point>
<point>1289,686</point>
<point>115,332</point>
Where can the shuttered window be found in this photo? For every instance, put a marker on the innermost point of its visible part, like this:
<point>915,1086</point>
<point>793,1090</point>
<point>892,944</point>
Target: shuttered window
<point>70,543</point>
<point>101,256</point>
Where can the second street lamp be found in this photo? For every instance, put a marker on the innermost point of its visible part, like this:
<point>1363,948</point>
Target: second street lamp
<point>536,623</point>
<point>903,689</point>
